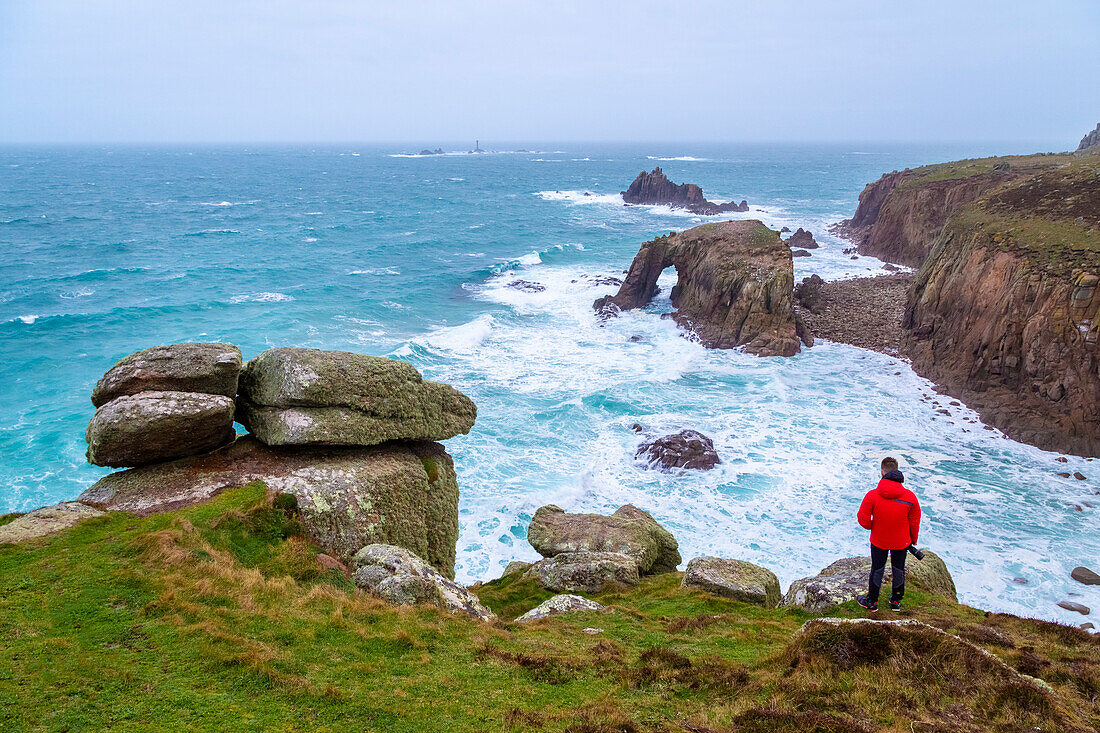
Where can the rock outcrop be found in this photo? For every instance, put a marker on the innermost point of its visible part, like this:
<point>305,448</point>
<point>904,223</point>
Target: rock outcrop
<point>563,603</point>
<point>585,572</point>
<point>629,531</point>
<point>1090,140</point>
<point>655,189</point>
<point>402,494</point>
<point>150,427</point>
<point>292,396</point>
<point>163,403</point>
<point>736,579</point>
<point>206,368</point>
<point>399,577</point>
<point>844,579</point>
<point>734,286</point>
<point>45,521</point>
<point>802,238</point>
<point>685,450</point>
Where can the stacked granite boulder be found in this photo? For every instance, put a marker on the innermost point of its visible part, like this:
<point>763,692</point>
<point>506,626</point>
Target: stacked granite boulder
<point>351,437</point>
<point>163,403</point>
<point>586,553</point>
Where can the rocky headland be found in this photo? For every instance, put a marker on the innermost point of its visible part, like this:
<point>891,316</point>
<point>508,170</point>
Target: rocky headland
<point>1002,311</point>
<point>734,288</point>
<point>654,188</point>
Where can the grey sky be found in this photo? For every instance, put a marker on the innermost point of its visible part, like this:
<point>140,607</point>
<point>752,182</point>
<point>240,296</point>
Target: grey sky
<point>437,72</point>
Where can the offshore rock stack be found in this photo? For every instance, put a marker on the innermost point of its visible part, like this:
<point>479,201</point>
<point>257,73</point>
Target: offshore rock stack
<point>351,437</point>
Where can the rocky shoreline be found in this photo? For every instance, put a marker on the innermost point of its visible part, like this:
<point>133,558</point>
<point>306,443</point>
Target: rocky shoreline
<point>866,312</point>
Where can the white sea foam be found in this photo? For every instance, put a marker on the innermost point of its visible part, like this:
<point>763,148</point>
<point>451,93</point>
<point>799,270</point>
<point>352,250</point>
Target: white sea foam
<point>582,197</point>
<point>228,203</point>
<point>376,271</point>
<point>799,439</point>
<point>687,158</point>
<point>265,297</point>
<point>79,293</point>
<point>28,319</point>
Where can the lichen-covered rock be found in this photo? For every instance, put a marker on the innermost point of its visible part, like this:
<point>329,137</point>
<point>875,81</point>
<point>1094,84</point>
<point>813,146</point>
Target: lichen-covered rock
<point>847,577</point>
<point>515,566</point>
<point>403,494</point>
<point>292,396</point>
<point>400,577</point>
<point>148,427</point>
<point>736,579</point>
<point>630,531</point>
<point>734,286</point>
<point>687,449</point>
<point>45,521</point>
<point>585,572</point>
<point>208,368</point>
<point>562,603</point>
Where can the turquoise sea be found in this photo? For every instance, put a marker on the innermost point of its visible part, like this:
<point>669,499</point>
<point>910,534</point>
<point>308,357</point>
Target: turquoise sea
<point>106,250</point>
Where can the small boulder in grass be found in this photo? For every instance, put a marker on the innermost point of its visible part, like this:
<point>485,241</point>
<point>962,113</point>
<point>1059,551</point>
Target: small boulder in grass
<point>399,577</point>
<point>736,579</point>
<point>562,603</point>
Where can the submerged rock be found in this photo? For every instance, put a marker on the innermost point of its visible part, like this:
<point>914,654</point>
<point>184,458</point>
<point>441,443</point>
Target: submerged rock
<point>736,579</point>
<point>1083,575</point>
<point>1075,607</point>
<point>527,286</point>
<point>292,396</point>
<point>45,521</point>
<point>847,577</point>
<point>687,449</point>
<point>585,572</point>
<point>135,430</point>
<point>208,368</point>
<point>630,531</point>
<point>399,577</point>
<point>563,603</point>
<point>403,494</point>
<point>734,286</point>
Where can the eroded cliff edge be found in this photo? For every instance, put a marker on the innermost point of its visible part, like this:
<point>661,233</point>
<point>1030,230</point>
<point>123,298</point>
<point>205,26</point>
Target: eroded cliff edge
<point>1003,310</point>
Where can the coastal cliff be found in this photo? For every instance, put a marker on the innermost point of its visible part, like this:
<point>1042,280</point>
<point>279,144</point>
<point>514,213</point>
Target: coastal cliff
<point>1004,311</point>
<point>900,215</point>
<point>734,287</point>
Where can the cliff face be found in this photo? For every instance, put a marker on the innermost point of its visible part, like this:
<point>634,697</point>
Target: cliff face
<point>900,215</point>
<point>1090,140</point>
<point>1004,312</point>
<point>734,287</point>
<point>655,189</point>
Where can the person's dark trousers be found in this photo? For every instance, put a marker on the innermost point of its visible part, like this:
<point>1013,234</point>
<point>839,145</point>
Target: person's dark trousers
<point>878,569</point>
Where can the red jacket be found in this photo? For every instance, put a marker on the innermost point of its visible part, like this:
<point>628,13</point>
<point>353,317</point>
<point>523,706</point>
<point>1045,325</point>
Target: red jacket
<point>892,513</point>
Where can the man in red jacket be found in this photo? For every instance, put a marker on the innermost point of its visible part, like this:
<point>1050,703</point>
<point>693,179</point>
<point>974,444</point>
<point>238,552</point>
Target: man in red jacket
<point>892,513</point>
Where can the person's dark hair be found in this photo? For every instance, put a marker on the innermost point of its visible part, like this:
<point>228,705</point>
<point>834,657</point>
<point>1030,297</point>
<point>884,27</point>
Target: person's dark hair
<point>889,464</point>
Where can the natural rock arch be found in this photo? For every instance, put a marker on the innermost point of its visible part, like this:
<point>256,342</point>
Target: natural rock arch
<point>734,286</point>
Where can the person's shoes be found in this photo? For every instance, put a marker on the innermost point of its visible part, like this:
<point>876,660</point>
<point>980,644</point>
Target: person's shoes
<point>895,606</point>
<point>868,603</point>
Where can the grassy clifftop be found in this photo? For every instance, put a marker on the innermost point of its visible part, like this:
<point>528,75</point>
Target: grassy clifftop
<point>219,617</point>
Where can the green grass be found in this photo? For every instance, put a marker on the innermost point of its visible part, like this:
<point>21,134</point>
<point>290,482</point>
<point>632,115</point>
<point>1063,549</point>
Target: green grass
<point>218,617</point>
<point>6,518</point>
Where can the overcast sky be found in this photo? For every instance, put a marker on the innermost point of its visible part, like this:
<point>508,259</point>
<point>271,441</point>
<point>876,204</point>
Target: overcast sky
<point>511,70</point>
